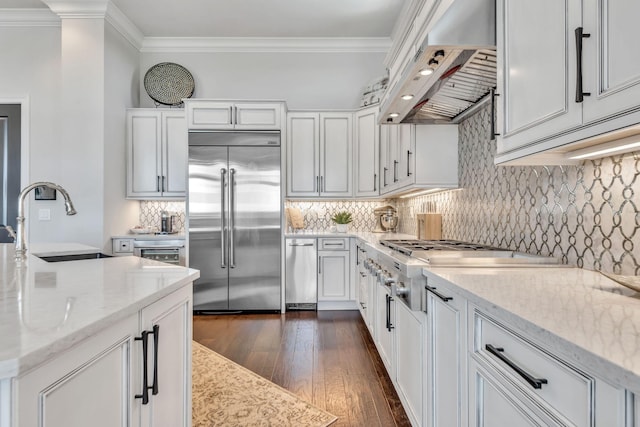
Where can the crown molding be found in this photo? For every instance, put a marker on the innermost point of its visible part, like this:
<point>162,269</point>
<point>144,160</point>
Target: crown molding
<point>124,26</point>
<point>266,44</point>
<point>78,9</point>
<point>40,17</point>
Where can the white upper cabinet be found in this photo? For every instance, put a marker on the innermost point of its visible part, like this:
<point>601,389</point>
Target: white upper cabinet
<point>319,154</point>
<point>156,154</point>
<point>418,157</point>
<point>214,115</point>
<point>366,148</point>
<point>575,79</point>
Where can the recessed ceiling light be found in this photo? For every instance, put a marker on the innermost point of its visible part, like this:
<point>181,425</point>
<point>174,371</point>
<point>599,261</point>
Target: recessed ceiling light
<point>407,97</point>
<point>394,114</point>
<point>426,72</point>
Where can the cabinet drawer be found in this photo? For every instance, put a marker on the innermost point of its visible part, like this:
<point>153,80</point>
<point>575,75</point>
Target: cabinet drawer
<point>540,374</point>
<point>334,244</point>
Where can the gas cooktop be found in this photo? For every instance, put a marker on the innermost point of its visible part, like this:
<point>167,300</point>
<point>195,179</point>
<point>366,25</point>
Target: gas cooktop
<point>407,247</point>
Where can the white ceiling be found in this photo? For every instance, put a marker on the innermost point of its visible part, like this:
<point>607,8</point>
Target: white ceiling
<point>262,18</point>
<point>254,18</point>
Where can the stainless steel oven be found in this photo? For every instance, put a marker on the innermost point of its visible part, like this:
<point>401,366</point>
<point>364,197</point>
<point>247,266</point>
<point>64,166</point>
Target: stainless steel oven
<point>169,251</point>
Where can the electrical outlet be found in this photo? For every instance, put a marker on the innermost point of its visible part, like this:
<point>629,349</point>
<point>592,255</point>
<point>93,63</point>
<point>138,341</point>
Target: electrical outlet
<point>44,214</point>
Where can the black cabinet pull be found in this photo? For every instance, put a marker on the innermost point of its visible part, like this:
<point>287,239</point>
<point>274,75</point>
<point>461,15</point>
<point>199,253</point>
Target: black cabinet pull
<point>164,188</point>
<point>386,297</point>
<point>493,115</point>
<point>395,171</point>
<point>375,184</point>
<point>158,184</point>
<point>409,153</point>
<point>438,294</point>
<point>389,326</point>
<point>384,177</point>
<point>580,34</point>
<point>156,337</point>
<point>533,381</point>
<point>145,377</point>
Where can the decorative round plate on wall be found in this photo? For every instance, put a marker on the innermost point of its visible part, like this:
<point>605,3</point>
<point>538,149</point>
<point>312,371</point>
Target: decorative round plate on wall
<point>168,83</point>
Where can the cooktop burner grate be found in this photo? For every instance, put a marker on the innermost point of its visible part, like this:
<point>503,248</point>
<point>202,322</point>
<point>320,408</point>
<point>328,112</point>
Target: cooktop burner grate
<point>407,246</point>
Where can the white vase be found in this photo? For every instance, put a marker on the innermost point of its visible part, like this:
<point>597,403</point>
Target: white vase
<point>341,228</point>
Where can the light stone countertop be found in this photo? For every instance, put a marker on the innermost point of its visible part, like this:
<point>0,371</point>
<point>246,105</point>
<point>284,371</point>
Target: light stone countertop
<point>47,307</point>
<point>151,236</point>
<point>580,315</point>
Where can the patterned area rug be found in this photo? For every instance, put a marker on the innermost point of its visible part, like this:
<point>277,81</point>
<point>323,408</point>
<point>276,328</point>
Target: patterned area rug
<point>226,394</point>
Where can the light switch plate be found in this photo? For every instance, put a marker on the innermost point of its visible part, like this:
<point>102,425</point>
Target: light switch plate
<point>44,214</point>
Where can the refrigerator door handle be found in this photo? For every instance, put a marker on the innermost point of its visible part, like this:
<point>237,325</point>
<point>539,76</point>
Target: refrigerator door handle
<point>232,251</point>
<point>223,174</point>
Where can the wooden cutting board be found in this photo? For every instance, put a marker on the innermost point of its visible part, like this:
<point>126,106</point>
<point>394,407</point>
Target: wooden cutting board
<point>429,226</point>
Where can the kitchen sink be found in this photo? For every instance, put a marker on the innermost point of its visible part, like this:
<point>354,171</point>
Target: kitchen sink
<point>74,257</point>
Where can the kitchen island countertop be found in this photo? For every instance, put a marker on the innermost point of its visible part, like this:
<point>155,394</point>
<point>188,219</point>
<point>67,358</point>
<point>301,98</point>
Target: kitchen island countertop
<point>47,307</point>
<point>578,314</point>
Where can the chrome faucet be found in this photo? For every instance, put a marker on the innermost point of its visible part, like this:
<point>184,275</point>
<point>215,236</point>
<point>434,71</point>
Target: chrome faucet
<point>21,247</point>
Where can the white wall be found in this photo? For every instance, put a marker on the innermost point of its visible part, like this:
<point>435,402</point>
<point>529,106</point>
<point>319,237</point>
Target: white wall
<point>303,80</point>
<point>31,70</point>
<point>121,92</point>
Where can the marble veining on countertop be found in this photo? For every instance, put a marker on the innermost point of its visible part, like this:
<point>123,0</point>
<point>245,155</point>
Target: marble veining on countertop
<point>578,314</point>
<point>47,307</point>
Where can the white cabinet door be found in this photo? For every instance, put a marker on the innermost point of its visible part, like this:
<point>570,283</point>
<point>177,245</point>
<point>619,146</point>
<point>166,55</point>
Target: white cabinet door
<point>494,406</point>
<point>170,403</point>
<point>174,154</point>
<point>366,149</point>
<point>157,146</point>
<point>611,59</point>
<point>333,276</point>
<point>385,328</point>
<point>220,115</point>
<point>405,151</point>
<point>319,154</point>
<point>386,179</point>
<point>88,386</point>
<point>144,153</point>
<point>536,70</point>
<point>410,358</point>
<point>303,154</point>
<point>336,142</point>
<point>263,116</point>
<point>447,350</point>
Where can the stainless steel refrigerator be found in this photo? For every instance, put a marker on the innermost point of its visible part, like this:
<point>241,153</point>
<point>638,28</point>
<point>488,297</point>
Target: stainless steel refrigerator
<point>234,220</point>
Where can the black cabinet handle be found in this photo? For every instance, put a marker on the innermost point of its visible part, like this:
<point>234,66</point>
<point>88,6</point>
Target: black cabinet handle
<point>375,182</point>
<point>384,177</point>
<point>164,188</point>
<point>580,34</point>
<point>438,294</point>
<point>156,337</point>
<point>493,115</point>
<point>533,381</point>
<point>386,297</point>
<point>158,184</point>
<point>409,153</point>
<point>145,378</point>
<point>389,326</point>
<point>395,171</point>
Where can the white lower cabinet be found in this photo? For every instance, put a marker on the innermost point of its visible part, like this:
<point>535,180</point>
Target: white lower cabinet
<point>97,382</point>
<point>385,328</point>
<point>333,275</point>
<point>410,357</point>
<point>446,361</point>
<point>90,385</point>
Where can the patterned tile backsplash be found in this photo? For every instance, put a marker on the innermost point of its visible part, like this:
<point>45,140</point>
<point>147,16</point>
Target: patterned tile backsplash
<point>317,214</point>
<point>586,215</point>
<point>151,210</point>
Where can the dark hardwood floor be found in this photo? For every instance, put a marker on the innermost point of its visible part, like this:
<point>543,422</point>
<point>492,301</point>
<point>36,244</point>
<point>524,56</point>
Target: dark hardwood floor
<point>325,357</point>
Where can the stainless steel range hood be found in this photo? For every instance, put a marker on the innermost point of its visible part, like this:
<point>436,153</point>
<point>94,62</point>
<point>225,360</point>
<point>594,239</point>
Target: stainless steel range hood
<point>460,49</point>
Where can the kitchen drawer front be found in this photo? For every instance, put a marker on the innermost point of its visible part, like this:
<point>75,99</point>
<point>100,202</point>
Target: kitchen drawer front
<point>326,244</point>
<point>566,389</point>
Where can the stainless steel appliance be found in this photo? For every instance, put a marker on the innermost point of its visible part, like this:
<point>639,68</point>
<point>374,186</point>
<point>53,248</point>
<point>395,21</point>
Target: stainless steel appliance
<point>167,222</point>
<point>169,251</point>
<point>301,266</point>
<point>234,220</point>
<point>401,268</point>
<point>386,219</point>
